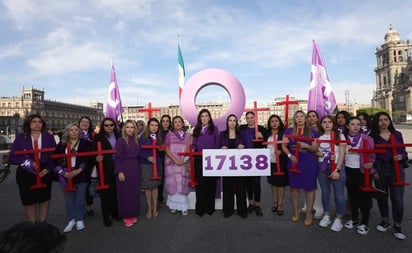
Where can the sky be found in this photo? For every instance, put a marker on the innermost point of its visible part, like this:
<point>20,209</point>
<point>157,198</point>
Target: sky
<point>66,47</point>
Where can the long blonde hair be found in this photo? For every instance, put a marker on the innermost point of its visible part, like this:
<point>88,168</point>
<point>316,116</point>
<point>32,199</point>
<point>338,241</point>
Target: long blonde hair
<point>135,134</point>
<point>306,128</point>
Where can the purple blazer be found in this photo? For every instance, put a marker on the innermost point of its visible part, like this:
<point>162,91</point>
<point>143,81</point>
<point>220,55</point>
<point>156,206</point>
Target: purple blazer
<point>25,161</point>
<point>81,161</point>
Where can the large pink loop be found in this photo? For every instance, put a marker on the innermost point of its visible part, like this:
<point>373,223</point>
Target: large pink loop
<point>208,77</point>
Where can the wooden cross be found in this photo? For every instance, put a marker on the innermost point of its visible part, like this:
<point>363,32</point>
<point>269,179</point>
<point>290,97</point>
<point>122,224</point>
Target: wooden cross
<point>332,142</point>
<point>191,155</point>
<point>394,146</point>
<point>298,139</point>
<point>366,150</point>
<point>154,147</point>
<point>286,103</point>
<point>149,110</point>
<point>36,152</point>
<point>255,111</point>
<point>275,143</point>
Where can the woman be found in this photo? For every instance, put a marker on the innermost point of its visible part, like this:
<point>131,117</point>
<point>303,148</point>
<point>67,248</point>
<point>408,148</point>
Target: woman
<point>382,130</point>
<point>146,167</point>
<point>277,182</point>
<point>35,201</point>
<point>365,122</point>
<point>312,117</point>
<point>253,187</point>
<point>307,164</point>
<point>231,138</point>
<point>355,170</point>
<point>126,169</point>
<point>75,201</point>
<point>87,133</point>
<point>327,177</point>
<point>165,122</point>
<point>342,118</point>
<point>205,136</point>
<point>107,136</point>
<point>177,167</point>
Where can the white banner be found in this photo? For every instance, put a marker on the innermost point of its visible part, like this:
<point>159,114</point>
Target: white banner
<point>236,162</point>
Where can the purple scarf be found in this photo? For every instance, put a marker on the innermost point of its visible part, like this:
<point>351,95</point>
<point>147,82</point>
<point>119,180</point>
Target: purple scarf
<point>355,139</point>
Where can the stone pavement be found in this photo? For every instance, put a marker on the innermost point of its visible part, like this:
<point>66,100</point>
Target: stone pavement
<point>175,233</point>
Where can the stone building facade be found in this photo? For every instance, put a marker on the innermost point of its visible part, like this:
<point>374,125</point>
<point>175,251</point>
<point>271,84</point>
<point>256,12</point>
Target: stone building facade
<point>393,76</point>
<point>57,115</point>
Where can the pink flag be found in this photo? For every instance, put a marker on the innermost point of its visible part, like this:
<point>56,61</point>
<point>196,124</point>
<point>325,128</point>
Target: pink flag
<point>114,104</point>
<point>321,98</point>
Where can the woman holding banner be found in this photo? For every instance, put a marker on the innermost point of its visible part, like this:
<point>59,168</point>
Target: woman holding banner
<point>231,138</point>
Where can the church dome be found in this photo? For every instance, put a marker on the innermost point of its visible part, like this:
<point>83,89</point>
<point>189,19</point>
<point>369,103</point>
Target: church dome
<point>392,35</point>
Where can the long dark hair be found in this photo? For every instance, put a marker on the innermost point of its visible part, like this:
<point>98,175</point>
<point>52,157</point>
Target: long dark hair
<point>375,125</point>
<point>345,114</point>
<point>198,127</point>
<point>115,129</point>
<point>146,132</point>
<point>226,132</point>
<point>281,124</point>
<point>27,122</point>
<point>173,120</point>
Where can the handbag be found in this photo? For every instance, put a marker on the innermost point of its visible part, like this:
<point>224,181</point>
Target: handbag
<point>405,163</point>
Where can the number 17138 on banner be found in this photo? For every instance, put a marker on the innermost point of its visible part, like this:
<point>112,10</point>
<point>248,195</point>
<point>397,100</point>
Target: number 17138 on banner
<point>236,162</point>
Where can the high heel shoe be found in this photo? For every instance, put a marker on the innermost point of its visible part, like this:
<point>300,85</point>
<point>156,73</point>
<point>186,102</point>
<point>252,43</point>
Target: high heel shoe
<point>295,217</point>
<point>280,210</point>
<point>275,207</point>
<point>149,214</point>
<point>308,220</point>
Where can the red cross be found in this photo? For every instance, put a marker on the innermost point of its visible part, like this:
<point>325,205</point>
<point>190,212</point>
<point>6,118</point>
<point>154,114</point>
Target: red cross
<point>275,143</point>
<point>99,151</point>
<point>394,146</point>
<point>191,155</point>
<point>155,176</point>
<point>149,110</point>
<point>36,152</point>
<point>286,103</point>
<point>68,157</point>
<point>298,139</point>
<point>255,111</point>
<point>332,142</point>
<point>366,150</point>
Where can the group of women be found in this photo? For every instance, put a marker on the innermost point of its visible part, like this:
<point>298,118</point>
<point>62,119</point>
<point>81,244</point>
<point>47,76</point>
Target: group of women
<point>330,150</point>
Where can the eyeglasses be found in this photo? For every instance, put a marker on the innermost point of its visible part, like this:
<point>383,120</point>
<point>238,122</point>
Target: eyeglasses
<point>108,125</point>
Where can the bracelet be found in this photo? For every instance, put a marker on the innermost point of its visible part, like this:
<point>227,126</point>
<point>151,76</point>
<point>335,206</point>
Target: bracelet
<point>289,155</point>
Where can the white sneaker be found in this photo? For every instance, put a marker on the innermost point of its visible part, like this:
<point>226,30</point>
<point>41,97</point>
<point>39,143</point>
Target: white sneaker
<point>173,210</point>
<point>362,229</point>
<point>336,225</point>
<point>69,227</point>
<point>185,212</point>
<point>325,221</point>
<point>80,225</point>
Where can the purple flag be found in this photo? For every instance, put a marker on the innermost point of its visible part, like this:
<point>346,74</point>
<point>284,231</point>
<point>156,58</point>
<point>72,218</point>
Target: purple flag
<point>321,98</point>
<point>114,104</point>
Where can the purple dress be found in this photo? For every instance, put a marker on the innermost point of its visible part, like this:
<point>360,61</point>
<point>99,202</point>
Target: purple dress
<point>307,164</point>
<point>128,191</point>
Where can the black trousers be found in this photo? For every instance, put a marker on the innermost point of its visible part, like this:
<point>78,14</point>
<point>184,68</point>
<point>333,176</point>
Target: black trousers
<point>232,185</point>
<point>108,198</point>
<point>253,188</point>
<point>205,189</point>
<point>358,199</point>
